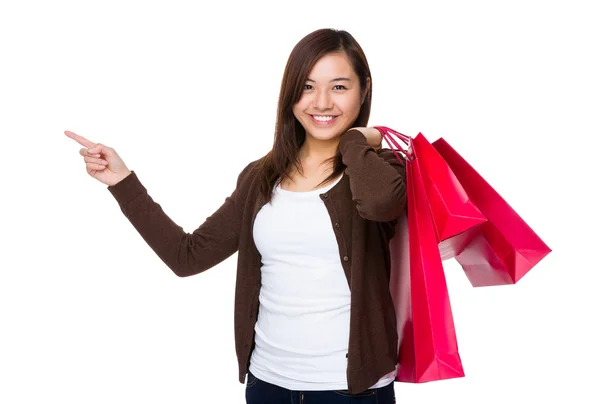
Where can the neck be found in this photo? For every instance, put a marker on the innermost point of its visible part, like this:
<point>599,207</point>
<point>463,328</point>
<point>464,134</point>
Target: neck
<point>317,151</point>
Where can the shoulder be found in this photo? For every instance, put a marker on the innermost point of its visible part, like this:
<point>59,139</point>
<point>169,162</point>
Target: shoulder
<point>250,171</point>
<point>393,157</point>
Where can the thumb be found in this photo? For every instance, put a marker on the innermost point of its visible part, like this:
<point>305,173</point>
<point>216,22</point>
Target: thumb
<point>99,149</point>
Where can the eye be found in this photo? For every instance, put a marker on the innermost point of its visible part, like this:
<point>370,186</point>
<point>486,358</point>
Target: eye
<point>339,87</point>
<point>308,87</point>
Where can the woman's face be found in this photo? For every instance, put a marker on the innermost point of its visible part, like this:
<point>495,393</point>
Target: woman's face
<point>331,98</point>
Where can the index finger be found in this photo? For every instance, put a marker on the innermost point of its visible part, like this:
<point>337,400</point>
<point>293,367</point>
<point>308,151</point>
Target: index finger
<point>79,139</point>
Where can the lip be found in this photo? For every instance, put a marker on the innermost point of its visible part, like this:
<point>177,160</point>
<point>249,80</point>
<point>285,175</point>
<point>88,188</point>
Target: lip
<point>319,123</point>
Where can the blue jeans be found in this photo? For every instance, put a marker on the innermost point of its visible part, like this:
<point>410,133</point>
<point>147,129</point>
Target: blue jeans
<point>261,392</point>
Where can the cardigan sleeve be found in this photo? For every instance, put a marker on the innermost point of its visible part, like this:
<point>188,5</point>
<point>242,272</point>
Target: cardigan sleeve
<point>377,179</point>
<point>184,253</point>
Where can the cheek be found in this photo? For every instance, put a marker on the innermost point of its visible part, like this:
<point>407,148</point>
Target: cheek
<point>296,112</point>
<point>299,108</point>
<point>351,106</point>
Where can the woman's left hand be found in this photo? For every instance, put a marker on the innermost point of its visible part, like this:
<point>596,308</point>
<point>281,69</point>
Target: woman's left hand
<point>372,135</point>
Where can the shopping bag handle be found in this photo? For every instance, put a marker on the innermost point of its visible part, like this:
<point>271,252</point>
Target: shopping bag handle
<point>389,131</point>
<point>386,133</point>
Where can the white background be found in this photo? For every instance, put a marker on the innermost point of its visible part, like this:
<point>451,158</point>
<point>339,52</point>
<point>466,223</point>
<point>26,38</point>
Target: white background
<point>187,94</point>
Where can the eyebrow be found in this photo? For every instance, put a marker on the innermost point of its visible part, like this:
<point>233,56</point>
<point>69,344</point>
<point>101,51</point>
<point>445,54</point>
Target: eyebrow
<point>331,81</point>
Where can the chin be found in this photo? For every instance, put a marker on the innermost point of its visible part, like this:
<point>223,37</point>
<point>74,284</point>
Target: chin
<point>324,133</point>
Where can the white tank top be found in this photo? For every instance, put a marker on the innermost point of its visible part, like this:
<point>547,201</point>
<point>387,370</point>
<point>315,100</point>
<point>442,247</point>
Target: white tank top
<point>303,323</point>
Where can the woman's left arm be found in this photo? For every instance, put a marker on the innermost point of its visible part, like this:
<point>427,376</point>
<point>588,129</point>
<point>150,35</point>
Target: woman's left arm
<point>377,178</point>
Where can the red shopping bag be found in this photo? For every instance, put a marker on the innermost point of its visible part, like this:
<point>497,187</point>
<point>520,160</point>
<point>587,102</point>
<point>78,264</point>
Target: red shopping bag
<point>428,349</point>
<point>452,211</point>
<point>504,248</point>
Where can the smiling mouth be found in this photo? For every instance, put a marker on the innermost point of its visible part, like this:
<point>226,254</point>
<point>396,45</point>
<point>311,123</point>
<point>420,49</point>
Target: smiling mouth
<point>323,119</point>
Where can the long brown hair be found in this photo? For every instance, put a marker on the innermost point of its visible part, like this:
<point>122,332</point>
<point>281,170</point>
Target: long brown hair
<point>289,133</point>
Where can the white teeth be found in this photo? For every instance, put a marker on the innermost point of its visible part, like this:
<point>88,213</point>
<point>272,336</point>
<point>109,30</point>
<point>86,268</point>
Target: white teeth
<point>323,118</point>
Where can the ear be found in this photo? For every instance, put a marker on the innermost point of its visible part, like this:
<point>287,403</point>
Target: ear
<point>366,90</point>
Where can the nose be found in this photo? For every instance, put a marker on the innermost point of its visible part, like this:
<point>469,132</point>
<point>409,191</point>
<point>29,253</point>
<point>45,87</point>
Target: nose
<point>322,100</point>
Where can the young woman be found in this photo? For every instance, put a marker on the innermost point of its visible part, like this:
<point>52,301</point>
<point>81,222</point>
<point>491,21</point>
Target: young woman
<point>311,222</point>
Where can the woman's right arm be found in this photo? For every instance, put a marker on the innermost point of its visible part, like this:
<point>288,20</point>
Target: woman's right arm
<point>186,254</point>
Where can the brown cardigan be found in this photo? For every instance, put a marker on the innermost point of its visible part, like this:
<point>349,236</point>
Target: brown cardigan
<point>363,206</point>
